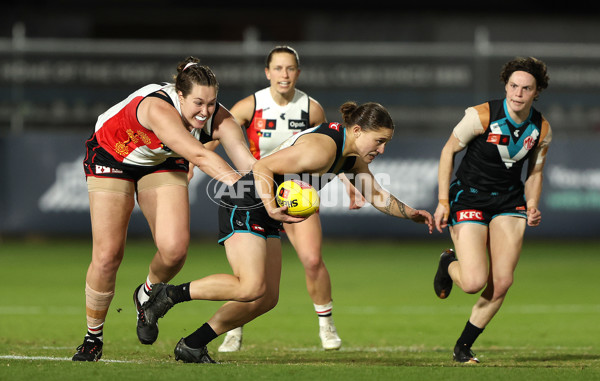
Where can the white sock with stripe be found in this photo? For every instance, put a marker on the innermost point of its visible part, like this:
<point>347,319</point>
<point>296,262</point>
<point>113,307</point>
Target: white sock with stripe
<point>143,293</point>
<point>324,312</point>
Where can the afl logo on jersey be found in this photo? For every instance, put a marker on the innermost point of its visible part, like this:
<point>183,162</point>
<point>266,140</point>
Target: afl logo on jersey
<point>334,126</point>
<point>297,124</point>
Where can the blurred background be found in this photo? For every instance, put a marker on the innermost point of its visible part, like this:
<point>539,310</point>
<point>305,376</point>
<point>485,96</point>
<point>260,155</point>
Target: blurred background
<point>63,63</point>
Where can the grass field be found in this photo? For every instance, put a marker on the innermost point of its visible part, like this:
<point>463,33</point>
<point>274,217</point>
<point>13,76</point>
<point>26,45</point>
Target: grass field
<point>392,325</point>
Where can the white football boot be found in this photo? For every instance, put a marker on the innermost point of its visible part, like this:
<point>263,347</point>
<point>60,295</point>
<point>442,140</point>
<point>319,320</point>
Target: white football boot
<point>329,337</point>
<point>232,341</point>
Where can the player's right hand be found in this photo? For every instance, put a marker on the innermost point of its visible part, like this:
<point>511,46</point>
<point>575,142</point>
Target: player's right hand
<point>442,212</point>
<point>280,214</point>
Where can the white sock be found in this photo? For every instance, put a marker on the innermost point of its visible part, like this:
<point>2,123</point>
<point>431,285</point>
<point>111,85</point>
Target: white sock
<point>96,332</point>
<point>324,312</point>
<point>144,291</point>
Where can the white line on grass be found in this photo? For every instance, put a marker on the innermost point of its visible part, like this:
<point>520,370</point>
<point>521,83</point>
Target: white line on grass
<point>48,358</point>
<point>388,349</point>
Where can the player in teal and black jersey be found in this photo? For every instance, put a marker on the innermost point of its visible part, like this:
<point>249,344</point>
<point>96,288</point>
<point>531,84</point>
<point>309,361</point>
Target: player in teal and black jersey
<point>487,205</point>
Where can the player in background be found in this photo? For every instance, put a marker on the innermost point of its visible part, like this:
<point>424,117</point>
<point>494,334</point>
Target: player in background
<point>487,205</point>
<point>250,220</point>
<point>140,149</point>
<point>270,116</point>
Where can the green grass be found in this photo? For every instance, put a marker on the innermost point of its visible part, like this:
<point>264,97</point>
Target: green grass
<point>392,325</point>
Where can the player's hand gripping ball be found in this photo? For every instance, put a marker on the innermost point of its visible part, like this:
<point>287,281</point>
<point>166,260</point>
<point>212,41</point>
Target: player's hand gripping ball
<point>300,197</point>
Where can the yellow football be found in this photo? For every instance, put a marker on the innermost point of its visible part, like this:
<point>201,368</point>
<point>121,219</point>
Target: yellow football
<point>300,197</point>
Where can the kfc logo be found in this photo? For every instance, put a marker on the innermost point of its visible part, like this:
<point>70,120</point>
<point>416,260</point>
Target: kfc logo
<point>469,215</point>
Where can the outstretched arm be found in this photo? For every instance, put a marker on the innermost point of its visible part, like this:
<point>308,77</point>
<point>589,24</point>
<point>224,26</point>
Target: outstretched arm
<point>229,133</point>
<point>383,200</point>
<point>166,123</point>
<point>357,200</point>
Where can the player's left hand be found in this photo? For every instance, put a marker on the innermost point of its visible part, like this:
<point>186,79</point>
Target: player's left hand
<point>441,215</point>
<point>534,216</point>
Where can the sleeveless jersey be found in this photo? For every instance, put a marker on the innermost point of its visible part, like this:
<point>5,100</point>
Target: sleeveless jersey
<point>271,123</point>
<point>494,160</point>
<point>336,132</point>
<point>120,135</point>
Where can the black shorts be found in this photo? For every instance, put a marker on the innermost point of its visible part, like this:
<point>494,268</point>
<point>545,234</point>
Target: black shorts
<point>470,205</point>
<point>99,163</point>
<point>244,213</point>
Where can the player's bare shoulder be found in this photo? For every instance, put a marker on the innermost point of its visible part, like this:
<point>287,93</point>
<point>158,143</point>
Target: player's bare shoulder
<point>243,110</point>
<point>317,113</point>
<point>316,142</point>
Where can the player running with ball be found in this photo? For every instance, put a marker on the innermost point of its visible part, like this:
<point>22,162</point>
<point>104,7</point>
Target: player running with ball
<point>250,231</point>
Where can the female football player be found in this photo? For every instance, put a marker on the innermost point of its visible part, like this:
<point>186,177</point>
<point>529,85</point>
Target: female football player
<point>250,220</point>
<point>140,150</point>
<point>270,116</point>
<point>487,206</point>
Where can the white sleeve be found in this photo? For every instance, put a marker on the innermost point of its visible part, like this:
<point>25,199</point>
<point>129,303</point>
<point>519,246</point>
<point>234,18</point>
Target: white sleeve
<point>469,127</point>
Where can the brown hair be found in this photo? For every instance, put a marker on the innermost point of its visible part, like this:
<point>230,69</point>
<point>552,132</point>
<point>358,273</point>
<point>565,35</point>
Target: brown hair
<point>369,116</point>
<point>190,73</point>
<point>282,49</point>
<point>531,65</point>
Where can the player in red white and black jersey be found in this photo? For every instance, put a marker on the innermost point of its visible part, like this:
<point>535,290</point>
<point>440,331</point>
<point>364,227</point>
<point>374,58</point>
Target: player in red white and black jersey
<point>275,113</point>
<point>487,206</point>
<point>140,150</point>
<point>272,115</point>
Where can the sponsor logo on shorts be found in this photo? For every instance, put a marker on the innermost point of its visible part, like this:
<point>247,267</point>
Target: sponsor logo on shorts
<point>101,169</point>
<point>469,215</point>
<point>257,228</point>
